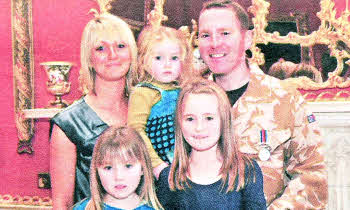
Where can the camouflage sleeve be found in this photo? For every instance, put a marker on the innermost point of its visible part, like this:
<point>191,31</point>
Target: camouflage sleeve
<point>305,168</point>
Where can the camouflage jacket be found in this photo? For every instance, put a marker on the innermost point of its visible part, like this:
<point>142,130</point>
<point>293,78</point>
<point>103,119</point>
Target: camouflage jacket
<point>295,175</point>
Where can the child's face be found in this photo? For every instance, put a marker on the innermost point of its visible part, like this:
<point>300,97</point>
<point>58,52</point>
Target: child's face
<point>200,121</point>
<point>166,64</point>
<point>111,58</point>
<point>120,179</point>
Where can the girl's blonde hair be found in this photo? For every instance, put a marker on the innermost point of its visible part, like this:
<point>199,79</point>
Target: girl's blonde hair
<point>108,24</point>
<point>234,162</point>
<point>121,143</point>
<point>149,37</point>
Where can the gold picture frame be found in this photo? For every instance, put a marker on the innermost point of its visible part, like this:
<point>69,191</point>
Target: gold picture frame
<point>23,71</point>
<point>333,29</point>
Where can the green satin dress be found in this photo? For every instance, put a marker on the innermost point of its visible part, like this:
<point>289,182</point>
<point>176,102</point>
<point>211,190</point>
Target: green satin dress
<point>82,126</point>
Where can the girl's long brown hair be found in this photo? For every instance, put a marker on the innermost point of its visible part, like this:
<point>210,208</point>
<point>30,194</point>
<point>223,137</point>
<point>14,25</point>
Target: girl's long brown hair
<point>234,162</point>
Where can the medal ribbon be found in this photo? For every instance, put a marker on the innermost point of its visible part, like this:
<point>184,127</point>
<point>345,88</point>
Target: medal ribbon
<point>263,136</point>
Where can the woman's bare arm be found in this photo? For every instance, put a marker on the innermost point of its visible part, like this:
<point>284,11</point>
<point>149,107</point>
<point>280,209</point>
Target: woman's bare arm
<point>62,169</point>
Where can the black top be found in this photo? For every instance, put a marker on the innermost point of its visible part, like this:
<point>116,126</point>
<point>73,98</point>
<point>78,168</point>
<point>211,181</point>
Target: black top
<point>233,95</point>
<point>82,126</point>
<point>211,196</point>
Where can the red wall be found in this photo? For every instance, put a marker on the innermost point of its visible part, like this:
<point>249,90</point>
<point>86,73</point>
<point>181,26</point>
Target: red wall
<point>57,28</point>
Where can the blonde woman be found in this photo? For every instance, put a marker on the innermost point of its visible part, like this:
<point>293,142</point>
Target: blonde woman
<point>121,173</point>
<point>108,55</point>
<point>208,171</point>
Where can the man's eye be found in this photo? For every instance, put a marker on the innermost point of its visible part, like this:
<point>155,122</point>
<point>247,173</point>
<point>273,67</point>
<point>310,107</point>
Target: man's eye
<point>158,58</point>
<point>100,48</point>
<point>175,58</point>
<point>121,45</point>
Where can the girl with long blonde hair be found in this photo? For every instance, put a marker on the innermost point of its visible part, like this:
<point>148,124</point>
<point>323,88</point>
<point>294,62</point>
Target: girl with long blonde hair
<point>120,173</point>
<point>208,171</point>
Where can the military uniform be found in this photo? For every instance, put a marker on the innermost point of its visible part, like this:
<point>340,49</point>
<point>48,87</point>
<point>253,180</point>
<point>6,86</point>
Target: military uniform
<point>272,112</point>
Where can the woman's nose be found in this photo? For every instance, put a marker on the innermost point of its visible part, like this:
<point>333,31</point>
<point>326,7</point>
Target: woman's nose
<point>112,52</point>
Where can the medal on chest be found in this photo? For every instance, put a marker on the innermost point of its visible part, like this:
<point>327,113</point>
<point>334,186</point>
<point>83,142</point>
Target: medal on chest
<point>264,148</point>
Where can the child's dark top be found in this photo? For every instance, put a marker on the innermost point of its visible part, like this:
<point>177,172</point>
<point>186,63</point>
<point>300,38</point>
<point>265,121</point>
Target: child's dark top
<point>211,196</point>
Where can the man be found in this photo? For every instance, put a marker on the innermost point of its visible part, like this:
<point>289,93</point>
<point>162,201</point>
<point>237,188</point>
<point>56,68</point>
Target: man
<point>271,123</point>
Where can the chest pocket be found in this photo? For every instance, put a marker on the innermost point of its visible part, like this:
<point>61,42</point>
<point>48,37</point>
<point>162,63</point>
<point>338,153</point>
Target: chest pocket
<point>256,118</point>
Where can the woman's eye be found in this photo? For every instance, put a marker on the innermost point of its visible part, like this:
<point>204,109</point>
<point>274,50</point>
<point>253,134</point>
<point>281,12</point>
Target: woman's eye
<point>158,58</point>
<point>189,119</point>
<point>175,58</point>
<point>100,48</point>
<point>121,45</point>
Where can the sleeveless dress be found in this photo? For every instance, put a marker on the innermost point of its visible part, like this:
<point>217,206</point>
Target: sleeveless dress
<point>160,124</point>
<point>82,126</point>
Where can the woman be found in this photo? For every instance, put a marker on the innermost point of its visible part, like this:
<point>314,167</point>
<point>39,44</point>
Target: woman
<point>108,55</point>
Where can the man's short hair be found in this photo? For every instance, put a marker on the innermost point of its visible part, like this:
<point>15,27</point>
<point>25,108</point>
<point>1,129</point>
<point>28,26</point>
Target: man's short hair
<point>239,11</point>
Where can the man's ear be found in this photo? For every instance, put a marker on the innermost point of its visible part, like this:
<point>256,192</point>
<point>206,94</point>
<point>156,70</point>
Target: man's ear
<point>248,39</point>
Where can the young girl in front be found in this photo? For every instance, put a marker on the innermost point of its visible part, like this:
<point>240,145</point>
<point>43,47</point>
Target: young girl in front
<point>164,57</point>
<point>208,171</point>
<point>120,173</point>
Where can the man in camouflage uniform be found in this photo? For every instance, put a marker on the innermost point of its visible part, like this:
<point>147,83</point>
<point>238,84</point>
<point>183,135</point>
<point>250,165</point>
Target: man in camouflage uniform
<point>271,122</point>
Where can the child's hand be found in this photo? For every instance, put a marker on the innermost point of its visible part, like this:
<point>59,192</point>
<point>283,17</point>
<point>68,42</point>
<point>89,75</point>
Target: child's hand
<point>159,168</point>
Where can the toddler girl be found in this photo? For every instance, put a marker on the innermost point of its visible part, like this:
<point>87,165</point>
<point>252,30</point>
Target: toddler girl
<point>208,171</point>
<point>164,57</point>
<point>120,173</point>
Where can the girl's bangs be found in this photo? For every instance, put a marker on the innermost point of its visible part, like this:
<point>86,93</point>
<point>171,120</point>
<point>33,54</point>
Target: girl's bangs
<point>121,153</point>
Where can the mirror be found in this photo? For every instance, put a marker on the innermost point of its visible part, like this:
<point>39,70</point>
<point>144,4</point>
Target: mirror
<point>332,35</point>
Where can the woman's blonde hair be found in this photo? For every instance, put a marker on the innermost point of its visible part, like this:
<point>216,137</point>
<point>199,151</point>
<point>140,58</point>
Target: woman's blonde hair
<point>121,143</point>
<point>234,162</point>
<point>149,37</point>
<point>109,24</point>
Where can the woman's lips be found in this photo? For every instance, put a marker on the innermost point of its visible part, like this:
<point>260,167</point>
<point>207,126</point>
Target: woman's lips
<point>113,64</point>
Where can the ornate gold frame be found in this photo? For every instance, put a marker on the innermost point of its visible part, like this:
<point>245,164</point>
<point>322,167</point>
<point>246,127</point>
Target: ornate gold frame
<point>331,30</point>
<point>23,71</point>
